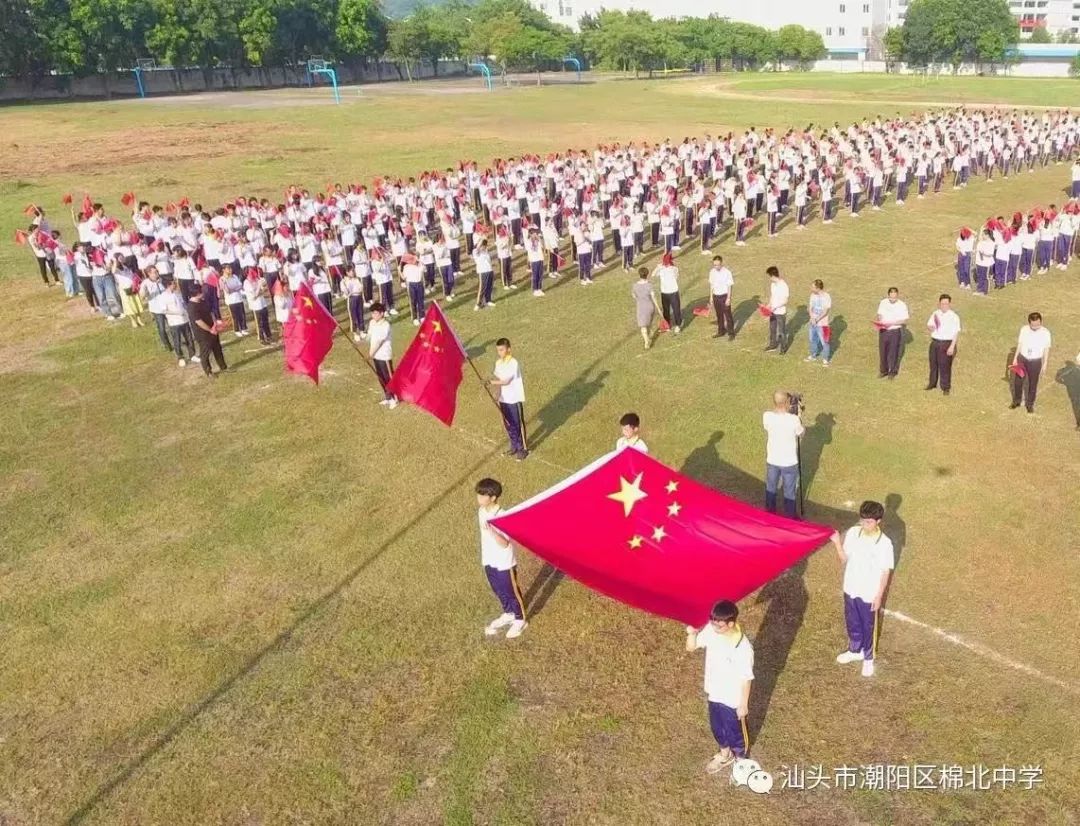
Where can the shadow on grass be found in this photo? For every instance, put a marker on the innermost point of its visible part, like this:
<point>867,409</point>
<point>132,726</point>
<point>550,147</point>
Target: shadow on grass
<point>545,582</point>
<point>785,598</point>
<point>194,712</point>
<point>745,311</point>
<point>1069,376</point>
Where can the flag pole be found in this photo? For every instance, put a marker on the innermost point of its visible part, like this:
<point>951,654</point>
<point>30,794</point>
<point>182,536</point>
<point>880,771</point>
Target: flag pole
<point>356,347</point>
<point>494,401</point>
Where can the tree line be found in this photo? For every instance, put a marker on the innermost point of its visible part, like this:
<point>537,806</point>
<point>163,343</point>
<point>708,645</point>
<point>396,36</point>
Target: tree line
<point>83,37</point>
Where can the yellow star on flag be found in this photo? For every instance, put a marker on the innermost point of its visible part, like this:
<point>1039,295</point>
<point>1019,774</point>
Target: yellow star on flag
<point>673,509</point>
<point>659,533</point>
<point>307,301</point>
<point>635,542</point>
<point>630,493</point>
<point>436,326</point>
<point>672,487</point>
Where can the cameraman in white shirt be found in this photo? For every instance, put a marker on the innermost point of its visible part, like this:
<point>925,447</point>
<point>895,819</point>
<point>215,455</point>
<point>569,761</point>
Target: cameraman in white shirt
<point>782,452</point>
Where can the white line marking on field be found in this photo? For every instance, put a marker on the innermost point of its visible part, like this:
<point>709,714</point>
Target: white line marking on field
<point>984,651</point>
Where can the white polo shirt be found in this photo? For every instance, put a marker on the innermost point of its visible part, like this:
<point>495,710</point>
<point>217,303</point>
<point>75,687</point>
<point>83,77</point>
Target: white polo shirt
<point>669,279</point>
<point>379,340</point>
<point>508,370</point>
<point>781,448</point>
<point>869,555</point>
<point>729,662</point>
<point>893,314</point>
<point>492,554</point>
<point>779,292</point>
<point>944,326</point>
<point>720,280</point>
<point>1033,343</point>
<point>637,444</point>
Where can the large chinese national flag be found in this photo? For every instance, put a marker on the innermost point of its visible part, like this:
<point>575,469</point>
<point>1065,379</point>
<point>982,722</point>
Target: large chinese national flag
<point>644,534</point>
<point>308,334</point>
<point>429,373</point>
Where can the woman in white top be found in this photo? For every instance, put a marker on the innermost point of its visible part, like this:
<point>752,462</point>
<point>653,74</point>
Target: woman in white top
<point>321,285</point>
<point>282,302</point>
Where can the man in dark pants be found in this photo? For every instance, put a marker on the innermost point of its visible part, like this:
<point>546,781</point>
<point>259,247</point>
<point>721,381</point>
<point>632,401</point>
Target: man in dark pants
<point>892,315</point>
<point>944,327</point>
<point>720,284</point>
<point>202,324</point>
<point>1032,353</point>
<point>779,292</point>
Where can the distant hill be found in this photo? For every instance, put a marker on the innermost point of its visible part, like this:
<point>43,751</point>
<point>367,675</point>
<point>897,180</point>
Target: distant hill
<point>397,9</point>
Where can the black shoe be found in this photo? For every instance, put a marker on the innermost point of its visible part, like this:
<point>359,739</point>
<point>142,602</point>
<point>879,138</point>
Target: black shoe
<point>882,375</point>
<point>930,387</point>
<point>511,452</point>
<point>1031,410</point>
<point>1014,405</point>
<point>731,337</point>
<point>944,392</point>
<point>892,376</point>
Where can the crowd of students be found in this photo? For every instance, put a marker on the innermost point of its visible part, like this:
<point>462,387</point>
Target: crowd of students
<point>591,209</point>
<point>1007,250</point>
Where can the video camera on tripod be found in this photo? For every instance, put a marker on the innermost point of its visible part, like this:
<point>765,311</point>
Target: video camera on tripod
<point>796,406</point>
<point>795,403</point>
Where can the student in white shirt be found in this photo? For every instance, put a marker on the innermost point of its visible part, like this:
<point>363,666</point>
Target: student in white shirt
<point>868,559</point>
<point>721,282</point>
<point>892,316</point>
<point>175,309</point>
<point>500,565</point>
<point>507,377</point>
<point>381,352</point>
<point>257,295</point>
<point>781,452</point>
<point>944,327</point>
<point>779,292</point>
<point>232,290</point>
<point>670,303</point>
<point>729,672</point>
<point>152,291</point>
<point>1032,355</point>
<point>820,308</point>
<point>631,433</point>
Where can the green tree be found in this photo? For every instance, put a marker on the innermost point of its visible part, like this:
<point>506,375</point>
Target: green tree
<point>1040,35</point>
<point>1074,67</point>
<point>360,29</point>
<point>1067,36</point>
<point>799,45</point>
<point>958,32</point>
<point>894,44</point>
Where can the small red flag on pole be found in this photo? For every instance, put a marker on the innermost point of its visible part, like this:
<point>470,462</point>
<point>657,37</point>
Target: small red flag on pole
<point>430,372</point>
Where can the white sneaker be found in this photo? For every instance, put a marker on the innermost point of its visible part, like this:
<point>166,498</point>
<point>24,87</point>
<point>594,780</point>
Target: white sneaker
<point>449,297</point>
<point>416,322</point>
<point>538,293</point>
<point>392,404</point>
<point>490,304</point>
<point>825,363</point>
<point>476,309</point>
<point>238,334</point>
<point>719,761</point>
<point>384,402</point>
<point>868,668</point>
<point>393,311</point>
<point>811,358</point>
<point>516,628</point>
<point>181,363</point>
<point>356,337</point>
<point>676,248</point>
<point>500,621</point>
<point>363,336</point>
<point>849,657</point>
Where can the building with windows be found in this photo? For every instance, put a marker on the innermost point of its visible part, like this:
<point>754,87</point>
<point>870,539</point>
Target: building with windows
<point>1056,16</point>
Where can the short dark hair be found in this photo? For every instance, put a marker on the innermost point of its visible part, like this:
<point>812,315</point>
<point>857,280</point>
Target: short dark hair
<point>503,342</point>
<point>643,272</point>
<point>724,611</point>
<point>378,307</point>
<point>944,296</point>
<point>630,420</point>
<point>772,272</point>
<point>1034,316</point>
<point>893,290</point>
<point>489,487</point>
<point>871,510</point>
<point>718,258</point>
<point>819,283</point>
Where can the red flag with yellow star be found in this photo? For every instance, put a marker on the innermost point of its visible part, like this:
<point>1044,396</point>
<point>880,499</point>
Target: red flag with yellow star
<point>632,528</point>
<point>430,371</point>
<point>308,334</point>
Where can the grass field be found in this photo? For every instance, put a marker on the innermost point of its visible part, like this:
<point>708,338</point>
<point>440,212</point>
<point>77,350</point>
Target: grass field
<point>259,601</point>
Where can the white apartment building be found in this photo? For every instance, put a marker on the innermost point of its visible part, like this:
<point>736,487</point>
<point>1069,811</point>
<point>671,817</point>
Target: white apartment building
<point>1055,16</point>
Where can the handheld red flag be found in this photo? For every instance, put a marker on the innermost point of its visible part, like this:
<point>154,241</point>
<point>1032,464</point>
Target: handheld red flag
<point>66,199</point>
<point>127,199</point>
<point>655,539</point>
<point>21,237</point>
<point>308,334</point>
<point>1017,370</point>
<point>87,205</point>
<point>430,371</point>
<point>764,310</point>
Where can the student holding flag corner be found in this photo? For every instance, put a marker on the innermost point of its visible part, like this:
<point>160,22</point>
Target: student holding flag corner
<point>729,671</point>
<point>500,565</point>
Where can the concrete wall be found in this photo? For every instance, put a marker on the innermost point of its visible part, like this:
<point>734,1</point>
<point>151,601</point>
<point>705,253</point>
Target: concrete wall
<point>1025,68</point>
<point>178,81</point>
